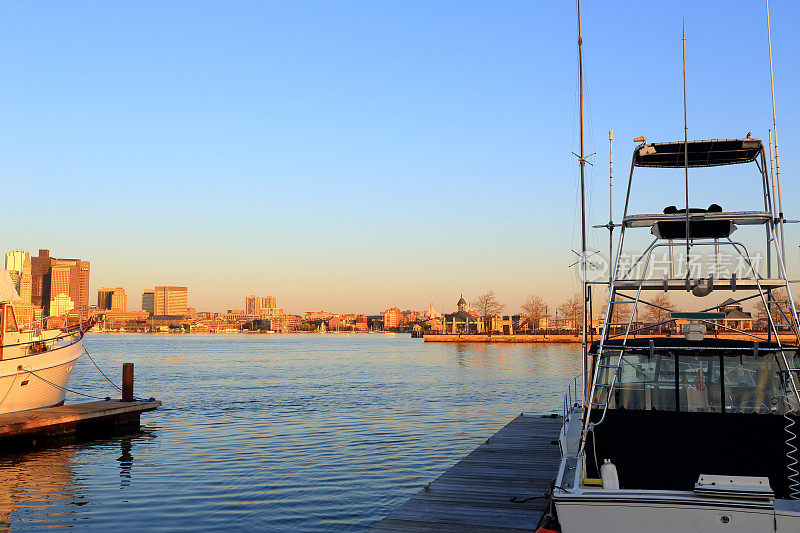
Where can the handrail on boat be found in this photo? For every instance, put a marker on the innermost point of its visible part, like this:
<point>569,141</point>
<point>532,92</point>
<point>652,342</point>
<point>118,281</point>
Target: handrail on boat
<point>82,312</point>
<point>74,323</point>
<point>571,397</point>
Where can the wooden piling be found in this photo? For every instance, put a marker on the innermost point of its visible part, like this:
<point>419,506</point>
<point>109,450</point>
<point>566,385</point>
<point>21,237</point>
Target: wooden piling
<point>127,382</point>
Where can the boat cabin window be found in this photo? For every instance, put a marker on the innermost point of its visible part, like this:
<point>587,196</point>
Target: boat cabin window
<point>10,321</point>
<point>752,384</point>
<point>701,382</point>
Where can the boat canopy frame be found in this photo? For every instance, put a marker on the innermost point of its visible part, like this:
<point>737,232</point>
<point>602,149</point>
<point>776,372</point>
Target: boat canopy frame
<point>703,153</point>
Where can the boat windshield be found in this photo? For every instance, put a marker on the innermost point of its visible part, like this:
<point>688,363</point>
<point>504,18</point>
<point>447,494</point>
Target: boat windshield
<point>695,381</point>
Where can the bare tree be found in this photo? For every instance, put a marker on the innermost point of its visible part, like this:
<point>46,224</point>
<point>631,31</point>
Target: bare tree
<point>777,310</point>
<point>534,309</point>
<point>487,306</point>
<point>654,315</point>
<point>572,309</point>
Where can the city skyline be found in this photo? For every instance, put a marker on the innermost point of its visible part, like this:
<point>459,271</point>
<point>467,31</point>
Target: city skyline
<point>361,155</point>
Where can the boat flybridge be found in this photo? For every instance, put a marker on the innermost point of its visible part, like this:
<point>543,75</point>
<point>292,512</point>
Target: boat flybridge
<point>688,422</point>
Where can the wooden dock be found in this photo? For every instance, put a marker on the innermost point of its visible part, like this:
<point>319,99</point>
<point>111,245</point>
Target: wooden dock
<point>486,491</point>
<point>25,428</point>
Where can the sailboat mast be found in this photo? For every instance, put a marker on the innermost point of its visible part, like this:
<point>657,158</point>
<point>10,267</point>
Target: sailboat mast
<point>583,211</point>
<point>775,133</point>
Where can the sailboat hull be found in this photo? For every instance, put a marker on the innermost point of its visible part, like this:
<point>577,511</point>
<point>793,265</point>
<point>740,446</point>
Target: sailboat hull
<point>37,380</point>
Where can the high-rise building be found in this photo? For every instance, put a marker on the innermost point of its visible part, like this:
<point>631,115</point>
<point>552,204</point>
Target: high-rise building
<point>112,299</point>
<point>15,260</point>
<point>18,264</point>
<point>60,274</point>
<point>71,279</point>
<point>252,305</point>
<point>269,302</point>
<point>149,302</point>
<point>25,280</point>
<point>14,275</point>
<point>83,291</point>
<point>61,304</point>
<point>40,279</point>
<point>171,300</point>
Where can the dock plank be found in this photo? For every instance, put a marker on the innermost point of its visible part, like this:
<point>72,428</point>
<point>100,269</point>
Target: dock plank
<point>37,421</point>
<point>475,494</point>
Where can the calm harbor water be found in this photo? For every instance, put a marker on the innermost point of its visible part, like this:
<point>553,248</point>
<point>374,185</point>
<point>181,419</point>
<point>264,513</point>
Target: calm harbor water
<point>278,432</point>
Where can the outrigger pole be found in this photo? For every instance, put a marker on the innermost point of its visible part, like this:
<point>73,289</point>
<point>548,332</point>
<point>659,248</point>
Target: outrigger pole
<point>686,156</point>
<point>775,133</point>
<point>610,202</point>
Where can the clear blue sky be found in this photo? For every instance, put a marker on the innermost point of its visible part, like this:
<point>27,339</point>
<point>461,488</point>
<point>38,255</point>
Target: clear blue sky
<point>357,155</point>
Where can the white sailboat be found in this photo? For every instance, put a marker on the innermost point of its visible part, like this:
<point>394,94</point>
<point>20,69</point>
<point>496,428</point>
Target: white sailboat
<point>36,359</point>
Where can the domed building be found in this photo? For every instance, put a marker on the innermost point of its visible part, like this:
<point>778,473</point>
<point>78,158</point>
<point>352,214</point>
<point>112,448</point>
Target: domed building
<point>462,321</point>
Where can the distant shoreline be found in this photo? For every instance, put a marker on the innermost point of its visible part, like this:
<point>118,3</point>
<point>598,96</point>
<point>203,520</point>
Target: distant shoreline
<point>509,339</point>
<point>247,332</point>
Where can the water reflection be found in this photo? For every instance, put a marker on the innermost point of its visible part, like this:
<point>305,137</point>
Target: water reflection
<point>43,486</point>
<point>279,433</point>
<point>556,360</point>
<point>125,461</point>
<point>32,482</point>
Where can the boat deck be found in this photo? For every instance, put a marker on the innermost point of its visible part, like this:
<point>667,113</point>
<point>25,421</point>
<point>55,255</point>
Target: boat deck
<point>498,487</point>
<point>80,418</point>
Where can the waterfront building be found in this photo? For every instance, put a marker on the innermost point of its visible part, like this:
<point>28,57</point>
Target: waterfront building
<point>114,299</point>
<point>171,300</point>
<point>271,312</point>
<point>735,317</point>
<point>149,302</point>
<point>317,315</point>
<point>361,323</point>
<point>462,321</point>
<point>505,324</point>
<point>392,318</point>
<point>262,306</point>
<point>284,323</point>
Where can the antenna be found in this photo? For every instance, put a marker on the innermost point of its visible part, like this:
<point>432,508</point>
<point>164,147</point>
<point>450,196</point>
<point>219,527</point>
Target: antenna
<point>686,154</point>
<point>775,133</point>
<point>772,205</point>
<point>610,201</point>
<point>583,212</point>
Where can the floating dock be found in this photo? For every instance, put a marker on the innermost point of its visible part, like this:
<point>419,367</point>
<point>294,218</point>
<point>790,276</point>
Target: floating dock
<point>25,428</point>
<point>498,487</point>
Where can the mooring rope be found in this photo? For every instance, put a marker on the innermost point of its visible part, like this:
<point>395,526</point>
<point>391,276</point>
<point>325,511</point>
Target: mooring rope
<point>63,388</point>
<point>98,369</point>
<point>10,387</point>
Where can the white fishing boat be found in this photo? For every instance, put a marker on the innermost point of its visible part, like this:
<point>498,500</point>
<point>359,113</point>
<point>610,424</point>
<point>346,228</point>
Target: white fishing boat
<point>36,359</point>
<point>687,432</point>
